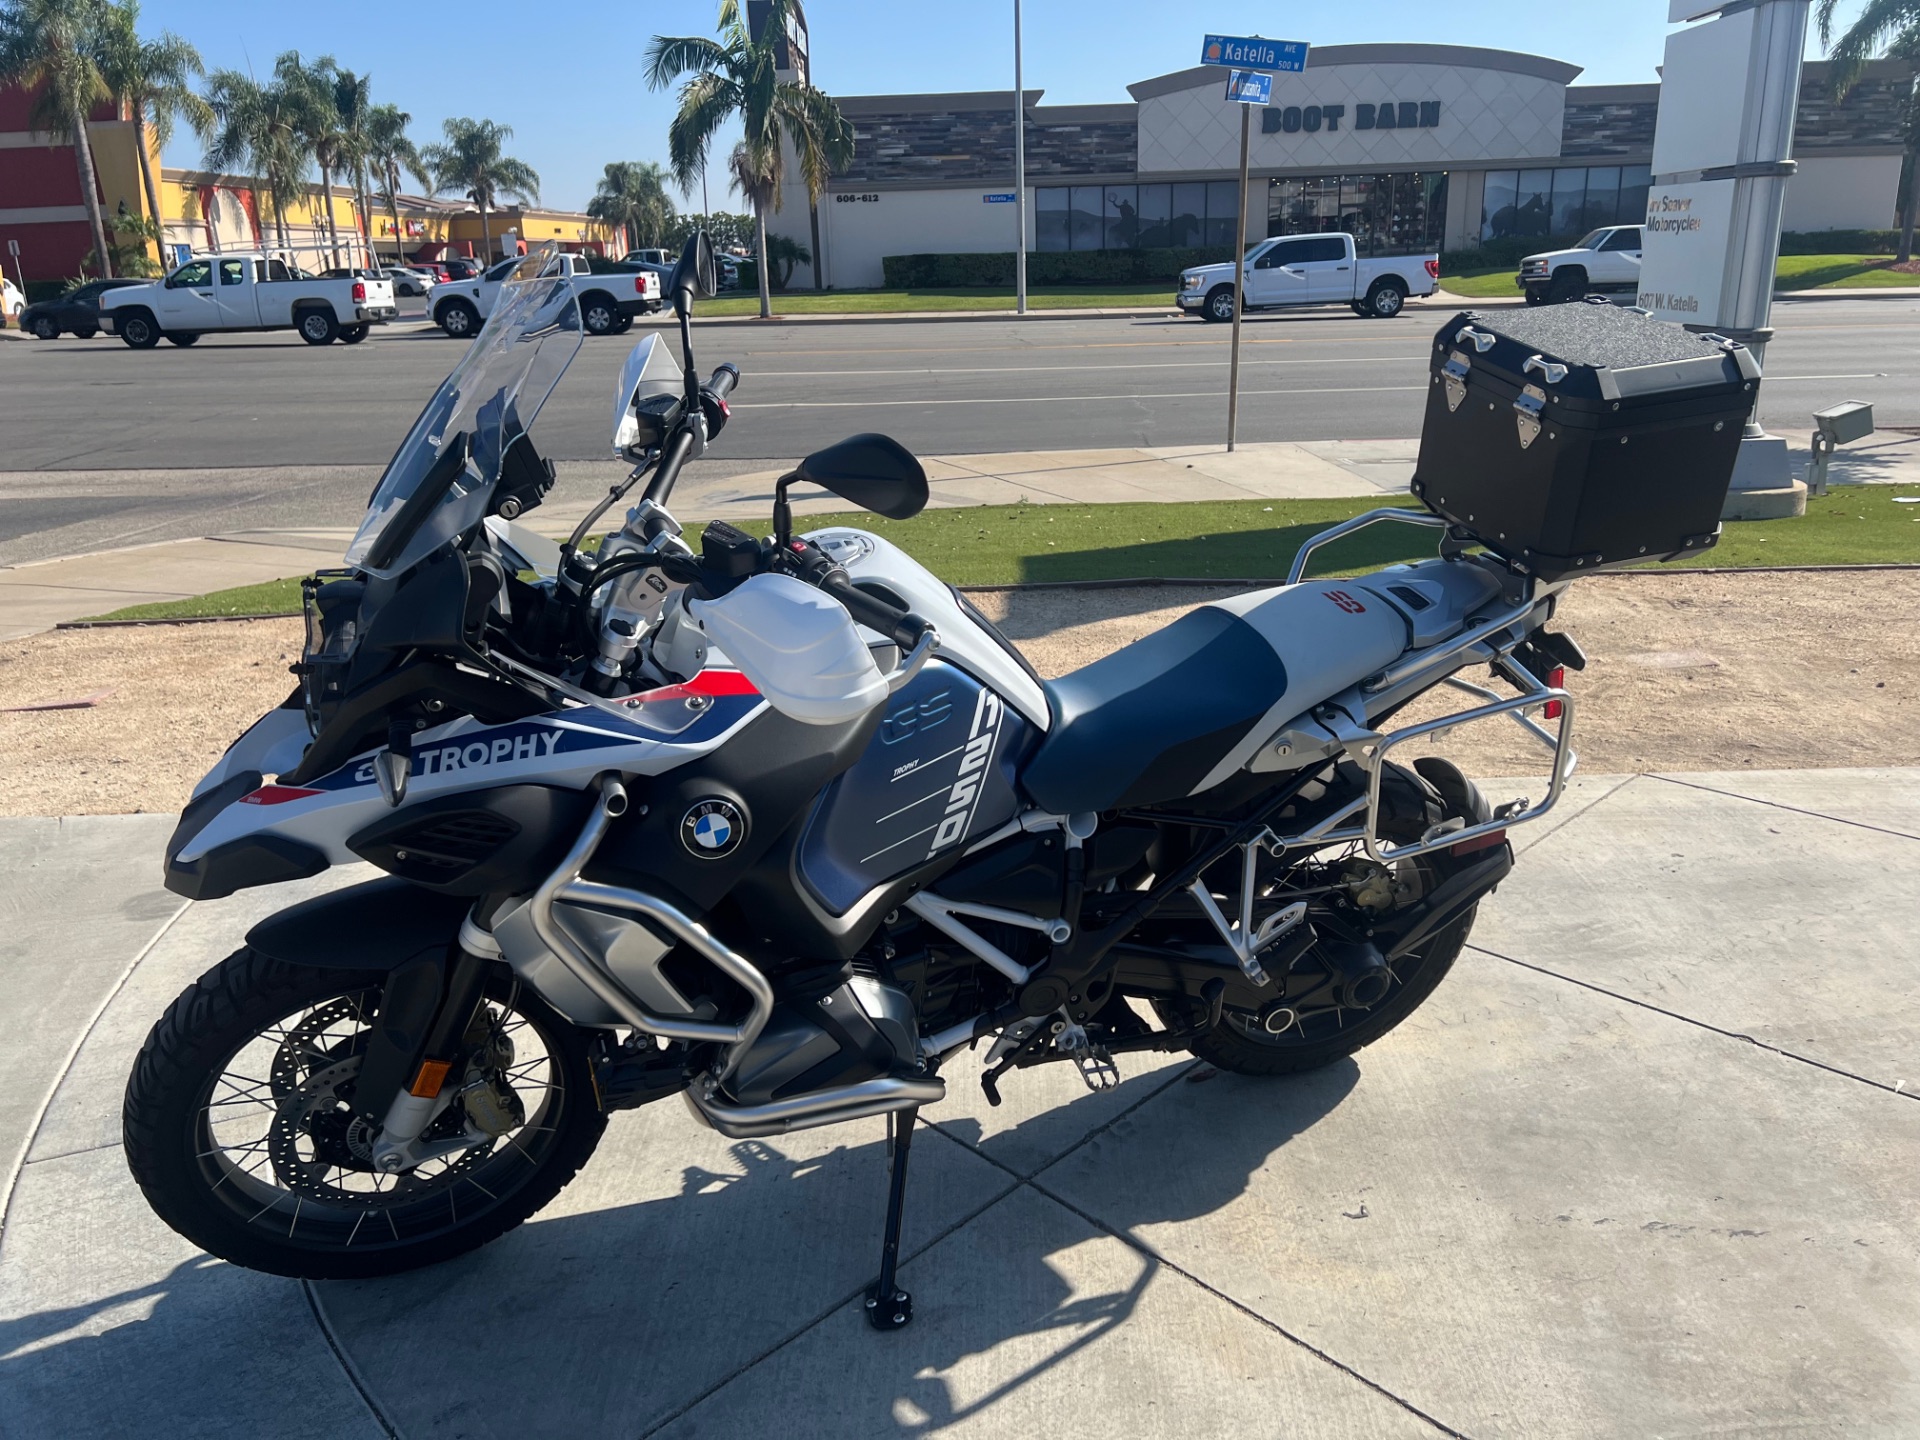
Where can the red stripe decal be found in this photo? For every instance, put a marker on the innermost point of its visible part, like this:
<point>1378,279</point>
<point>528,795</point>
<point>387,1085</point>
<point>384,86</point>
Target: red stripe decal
<point>720,682</point>
<point>277,795</point>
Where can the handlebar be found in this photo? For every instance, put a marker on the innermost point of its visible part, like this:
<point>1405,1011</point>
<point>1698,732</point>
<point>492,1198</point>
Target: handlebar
<point>723,380</point>
<point>901,626</point>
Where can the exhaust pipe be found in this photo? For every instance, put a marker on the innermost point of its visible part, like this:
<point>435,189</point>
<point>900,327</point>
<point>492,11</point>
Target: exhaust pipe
<point>879,1096</point>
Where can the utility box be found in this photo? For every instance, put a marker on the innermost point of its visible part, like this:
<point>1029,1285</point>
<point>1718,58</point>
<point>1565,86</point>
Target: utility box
<point>1836,425</point>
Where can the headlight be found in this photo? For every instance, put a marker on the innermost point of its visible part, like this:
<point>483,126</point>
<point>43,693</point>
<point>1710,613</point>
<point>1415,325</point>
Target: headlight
<point>1189,282</point>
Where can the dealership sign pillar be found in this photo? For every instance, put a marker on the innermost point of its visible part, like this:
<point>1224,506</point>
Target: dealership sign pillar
<point>1250,61</point>
<point>1722,156</point>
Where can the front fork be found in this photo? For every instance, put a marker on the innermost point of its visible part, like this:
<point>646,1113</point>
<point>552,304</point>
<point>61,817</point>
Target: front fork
<point>425,1009</point>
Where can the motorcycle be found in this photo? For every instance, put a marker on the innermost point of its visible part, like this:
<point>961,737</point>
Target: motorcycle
<point>780,826</point>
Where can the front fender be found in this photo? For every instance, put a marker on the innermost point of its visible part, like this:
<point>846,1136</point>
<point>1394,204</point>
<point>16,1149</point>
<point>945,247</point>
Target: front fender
<point>376,925</point>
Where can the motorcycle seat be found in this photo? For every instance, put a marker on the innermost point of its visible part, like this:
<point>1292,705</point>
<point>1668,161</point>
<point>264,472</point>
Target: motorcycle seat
<point>1178,711</point>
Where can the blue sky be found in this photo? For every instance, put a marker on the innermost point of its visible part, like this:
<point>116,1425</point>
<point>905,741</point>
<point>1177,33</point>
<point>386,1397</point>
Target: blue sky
<point>567,77</point>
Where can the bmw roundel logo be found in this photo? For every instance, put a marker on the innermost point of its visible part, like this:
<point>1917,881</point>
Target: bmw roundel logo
<point>713,828</point>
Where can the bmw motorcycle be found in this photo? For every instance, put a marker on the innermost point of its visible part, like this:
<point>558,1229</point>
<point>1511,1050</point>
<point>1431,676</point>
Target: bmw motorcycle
<point>781,826</point>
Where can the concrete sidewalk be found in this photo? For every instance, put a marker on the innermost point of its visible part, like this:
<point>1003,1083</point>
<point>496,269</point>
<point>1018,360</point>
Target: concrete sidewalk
<point>41,594</point>
<point>1642,1166</point>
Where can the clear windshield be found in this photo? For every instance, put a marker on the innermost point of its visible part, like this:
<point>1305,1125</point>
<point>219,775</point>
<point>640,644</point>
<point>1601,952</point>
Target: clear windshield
<point>441,478</point>
<point>1591,240</point>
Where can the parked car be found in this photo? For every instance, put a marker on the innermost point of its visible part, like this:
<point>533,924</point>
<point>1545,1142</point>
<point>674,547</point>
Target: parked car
<point>1607,261</point>
<point>410,280</point>
<point>460,267</point>
<point>1311,270</point>
<point>608,303</point>
<point>75,313</point>
<point>246,291</point>
<point>404,282</point>
<point>435,270</point>
<point>649,257</point>
<point>12,301</point>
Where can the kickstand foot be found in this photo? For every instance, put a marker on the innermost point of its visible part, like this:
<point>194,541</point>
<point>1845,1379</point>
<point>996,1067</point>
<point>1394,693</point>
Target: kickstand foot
<point>888,1306</point>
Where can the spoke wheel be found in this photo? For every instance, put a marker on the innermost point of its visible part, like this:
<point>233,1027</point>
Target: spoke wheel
<point>241,1125</point>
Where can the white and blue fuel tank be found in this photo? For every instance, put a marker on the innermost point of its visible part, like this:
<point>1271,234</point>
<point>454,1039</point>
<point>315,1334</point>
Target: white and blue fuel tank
<point>942,768</point>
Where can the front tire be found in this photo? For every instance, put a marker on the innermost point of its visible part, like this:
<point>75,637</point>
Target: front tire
<point>1219,304</point>
<point>45,329</point>
<point>139,331</point>
<point>238,1124</point>
<point>458,319</point>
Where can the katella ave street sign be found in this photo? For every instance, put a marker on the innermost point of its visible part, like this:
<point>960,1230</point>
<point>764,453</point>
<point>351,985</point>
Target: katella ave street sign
<point>1250,52</point>
<point>1249,87</point>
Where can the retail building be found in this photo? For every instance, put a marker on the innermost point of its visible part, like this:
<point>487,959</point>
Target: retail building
<point>1406,146</point>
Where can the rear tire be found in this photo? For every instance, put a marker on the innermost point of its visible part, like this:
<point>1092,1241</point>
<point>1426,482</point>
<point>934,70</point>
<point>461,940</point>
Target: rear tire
<point>139,331</point>
<point>354,334</point>
<point>1385,300</point>
<point>317,327</point>
<point>1416,975</point>
<point>599,315</point>
<point>308,1207</point>
<point>182,338</point>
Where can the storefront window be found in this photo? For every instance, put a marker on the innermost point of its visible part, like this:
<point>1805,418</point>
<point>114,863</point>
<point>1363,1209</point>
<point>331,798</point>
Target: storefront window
<point>1050,219</point>
<point>1385,214</point>
<point>1132,217</point>
<point>1535,204</point>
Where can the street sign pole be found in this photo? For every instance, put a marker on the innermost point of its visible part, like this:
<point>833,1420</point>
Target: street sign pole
<point>1019,175</point>
<point>1252,61</point>
<point>1239,282</point>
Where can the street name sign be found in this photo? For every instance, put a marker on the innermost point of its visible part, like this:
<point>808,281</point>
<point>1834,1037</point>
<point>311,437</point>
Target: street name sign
<point>1250,52</point>
<point>1249,87</point>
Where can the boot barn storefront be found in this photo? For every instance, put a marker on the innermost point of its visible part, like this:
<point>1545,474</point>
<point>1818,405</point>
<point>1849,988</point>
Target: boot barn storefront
<point>1407,147</point>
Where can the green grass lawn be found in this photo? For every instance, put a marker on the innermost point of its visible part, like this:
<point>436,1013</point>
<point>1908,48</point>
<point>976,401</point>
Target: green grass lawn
<point>1224,540</point>
<point>1794,272</point>
<point>880,302</point>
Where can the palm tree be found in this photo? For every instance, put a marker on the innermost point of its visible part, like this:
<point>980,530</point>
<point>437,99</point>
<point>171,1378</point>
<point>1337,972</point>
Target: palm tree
<point>389,153</point>
<point>260,128</point>
<point>735,77</point>
<point>1890,28</point>
<point>149,79</point>
<point>471,162</point>
<point>633,196</point>
<point>353,100</point>
<point>320,124</point>
<point>47,45</point>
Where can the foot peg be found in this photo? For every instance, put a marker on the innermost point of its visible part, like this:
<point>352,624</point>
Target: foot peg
<point>1094,1063</point>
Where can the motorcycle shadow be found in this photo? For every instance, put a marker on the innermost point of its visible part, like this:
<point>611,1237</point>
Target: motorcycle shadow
<point>731,1293</point>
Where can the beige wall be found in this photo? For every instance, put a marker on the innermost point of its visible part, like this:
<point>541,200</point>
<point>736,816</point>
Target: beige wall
<point>856,234</point>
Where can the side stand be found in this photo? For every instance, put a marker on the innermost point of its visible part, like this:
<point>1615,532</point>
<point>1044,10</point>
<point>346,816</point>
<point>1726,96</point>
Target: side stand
<point>888,1306</point>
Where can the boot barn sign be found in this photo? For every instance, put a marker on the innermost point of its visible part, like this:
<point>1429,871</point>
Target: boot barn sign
<point>1383,115</point>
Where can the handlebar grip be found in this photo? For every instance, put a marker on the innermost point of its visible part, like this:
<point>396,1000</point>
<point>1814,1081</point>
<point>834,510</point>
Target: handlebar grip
<point>903,627</point>
<point>723,380</point>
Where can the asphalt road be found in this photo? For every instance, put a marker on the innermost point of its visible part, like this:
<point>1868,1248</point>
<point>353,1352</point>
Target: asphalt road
<point>230,411</point>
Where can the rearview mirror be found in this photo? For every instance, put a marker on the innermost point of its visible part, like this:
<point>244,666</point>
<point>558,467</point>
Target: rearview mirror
<point>694,274</point>
<point>647,400</point>
<point>875,472</point>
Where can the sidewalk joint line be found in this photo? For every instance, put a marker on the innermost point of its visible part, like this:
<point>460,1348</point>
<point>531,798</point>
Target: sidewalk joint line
<point>1135,1243</point>
<point>19,1164</point>
<point>345,1361</point>
<point>1781,805</point>
<point>1897,1089</point>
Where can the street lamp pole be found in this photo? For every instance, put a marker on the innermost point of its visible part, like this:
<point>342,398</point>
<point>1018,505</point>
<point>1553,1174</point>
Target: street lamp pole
<point>1019,174</point>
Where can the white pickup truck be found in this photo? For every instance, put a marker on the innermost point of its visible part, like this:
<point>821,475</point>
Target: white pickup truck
<point>1603,262</point>
<point>608,301</point>
<point>245,291</point>
<point>1310,270</point>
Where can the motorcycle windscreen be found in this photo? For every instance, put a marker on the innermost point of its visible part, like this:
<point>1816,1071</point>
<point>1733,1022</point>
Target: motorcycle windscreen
<point>440,480</point>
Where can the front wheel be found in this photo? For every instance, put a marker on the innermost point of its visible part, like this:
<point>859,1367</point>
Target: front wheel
<point>1219,304</point>
<point>240,1128</point>
<point>45,329</point>
<point>458,319</point>
<point>138,331</point>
